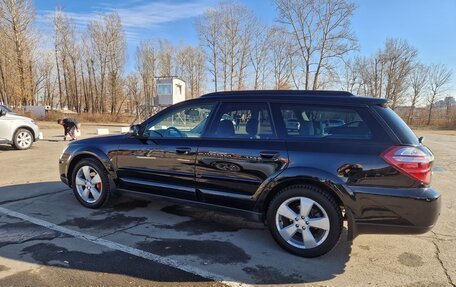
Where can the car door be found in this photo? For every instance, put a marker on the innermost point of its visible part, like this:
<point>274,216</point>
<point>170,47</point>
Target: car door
<point>238,154</point>
<point>162,159</point>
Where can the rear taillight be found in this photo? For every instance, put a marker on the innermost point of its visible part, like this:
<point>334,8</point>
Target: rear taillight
<point>416,162</point>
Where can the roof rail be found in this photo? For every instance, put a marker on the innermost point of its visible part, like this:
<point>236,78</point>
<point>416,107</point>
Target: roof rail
<point>280,92</point>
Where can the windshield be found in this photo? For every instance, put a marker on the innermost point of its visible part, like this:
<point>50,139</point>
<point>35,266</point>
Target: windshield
<point>5,109</point>
<point>189,121</point>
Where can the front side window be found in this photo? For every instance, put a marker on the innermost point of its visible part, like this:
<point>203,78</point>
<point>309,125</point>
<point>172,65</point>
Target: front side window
<point>185,122</point>
<point>243,120</point>
<point>307,121</point>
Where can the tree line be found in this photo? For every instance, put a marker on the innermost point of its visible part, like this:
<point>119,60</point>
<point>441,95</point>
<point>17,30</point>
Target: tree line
<point>311,45</point>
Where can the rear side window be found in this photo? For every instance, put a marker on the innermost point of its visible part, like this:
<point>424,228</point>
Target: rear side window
<point>399,127</point>
<point>320,122</point>
<point>242,120</point>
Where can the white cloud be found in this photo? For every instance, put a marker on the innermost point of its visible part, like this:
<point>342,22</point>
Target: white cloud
<point>137,16</point>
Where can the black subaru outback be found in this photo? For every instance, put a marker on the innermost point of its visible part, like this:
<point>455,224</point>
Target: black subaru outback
<point>301,161</point>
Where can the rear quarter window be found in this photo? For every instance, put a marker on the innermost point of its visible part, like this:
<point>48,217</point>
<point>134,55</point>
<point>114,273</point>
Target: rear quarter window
<point>398,126</point>
<point>303,121</point>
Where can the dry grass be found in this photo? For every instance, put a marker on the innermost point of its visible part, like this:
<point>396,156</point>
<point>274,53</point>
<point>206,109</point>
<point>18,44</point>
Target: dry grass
<point>443,124</point>
<point>53,116</point>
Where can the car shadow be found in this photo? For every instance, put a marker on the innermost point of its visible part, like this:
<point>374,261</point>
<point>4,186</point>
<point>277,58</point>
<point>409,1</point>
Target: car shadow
<point>209,236</point>
<point>5,147</point>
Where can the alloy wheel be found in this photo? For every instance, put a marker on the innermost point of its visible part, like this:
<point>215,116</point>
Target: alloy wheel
<point>24,139</point>
<point>88,184</point>
<point>302,222</point>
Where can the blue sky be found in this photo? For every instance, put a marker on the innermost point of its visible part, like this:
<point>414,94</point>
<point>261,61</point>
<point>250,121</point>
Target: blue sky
<point>430,26</point>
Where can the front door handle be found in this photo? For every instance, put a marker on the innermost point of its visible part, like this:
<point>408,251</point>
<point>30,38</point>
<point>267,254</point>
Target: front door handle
<point>183,150</point>
<point>269,154</point>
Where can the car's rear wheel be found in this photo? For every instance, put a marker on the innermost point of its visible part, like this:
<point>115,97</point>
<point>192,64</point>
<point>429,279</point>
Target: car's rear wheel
<point>23,139</point>
<point>90,183</point>
<point>305,220</point>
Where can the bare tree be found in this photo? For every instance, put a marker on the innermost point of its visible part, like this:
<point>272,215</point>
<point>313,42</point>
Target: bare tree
<point>16,20</point>
<point>322,33</point>
<point>107,40</point>
<point>260,56</point>
<point>190,63</point>
<point>165,58</point>
<point>398,58</point>
<point>418,81</point>
<point>146,65</point>
<point>116,47</point>
<point>46,67</point>
<point>449,103</point>
<point>133,93</point>
<point>386,73</point>
<point>89,76</point>
<point>208,28</point>
<point>225,33</point>
<point>67,55</point>
<point>352,80</point>
<point>439,77</point>
<point>281,55</point>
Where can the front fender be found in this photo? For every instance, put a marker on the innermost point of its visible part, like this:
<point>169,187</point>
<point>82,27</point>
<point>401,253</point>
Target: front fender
<point>83,151</point>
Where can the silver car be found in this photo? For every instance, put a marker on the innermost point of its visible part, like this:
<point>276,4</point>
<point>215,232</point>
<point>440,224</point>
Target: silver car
<point>16,130</point>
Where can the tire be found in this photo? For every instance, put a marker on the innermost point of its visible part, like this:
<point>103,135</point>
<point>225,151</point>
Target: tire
<point>95,192</point>
<point>309,234</point>
<point>23,139</point>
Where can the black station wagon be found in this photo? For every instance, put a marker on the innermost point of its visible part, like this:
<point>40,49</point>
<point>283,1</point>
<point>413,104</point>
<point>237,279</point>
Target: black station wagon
<point>303,162</point>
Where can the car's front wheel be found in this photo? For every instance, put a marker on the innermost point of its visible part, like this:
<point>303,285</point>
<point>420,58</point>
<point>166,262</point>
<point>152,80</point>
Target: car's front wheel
<point>305,220</point>
<point>23,139</point>
<point>90,183</point>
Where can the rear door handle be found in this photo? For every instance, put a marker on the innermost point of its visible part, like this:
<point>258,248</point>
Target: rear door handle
<point>269,154</point>
<point>183,150</point>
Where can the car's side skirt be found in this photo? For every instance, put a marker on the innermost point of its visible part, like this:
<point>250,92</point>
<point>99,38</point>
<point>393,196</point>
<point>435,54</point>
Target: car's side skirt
<point>256,216</point>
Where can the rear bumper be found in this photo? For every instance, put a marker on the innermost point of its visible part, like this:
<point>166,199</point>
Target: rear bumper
<point>394,211</point>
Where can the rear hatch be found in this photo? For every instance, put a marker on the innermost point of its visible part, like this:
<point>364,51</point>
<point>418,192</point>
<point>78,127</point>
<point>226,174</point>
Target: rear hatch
<point>409,156</point>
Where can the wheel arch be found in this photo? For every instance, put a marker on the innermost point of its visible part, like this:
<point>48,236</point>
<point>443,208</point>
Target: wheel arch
<point>25,128</point>
<point>299,176</point>
<point>92,154</point>
<point>298,181</point>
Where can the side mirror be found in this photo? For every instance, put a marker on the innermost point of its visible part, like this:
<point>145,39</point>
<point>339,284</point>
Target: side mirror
<point>134,130</point>
<point>2,113</point>
<point>420,139</point>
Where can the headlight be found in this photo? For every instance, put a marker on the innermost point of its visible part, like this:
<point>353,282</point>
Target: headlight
<point>63,151</point>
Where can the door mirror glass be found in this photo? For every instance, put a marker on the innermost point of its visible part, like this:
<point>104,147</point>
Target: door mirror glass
<point>2,113</point>
<point>134,130</point>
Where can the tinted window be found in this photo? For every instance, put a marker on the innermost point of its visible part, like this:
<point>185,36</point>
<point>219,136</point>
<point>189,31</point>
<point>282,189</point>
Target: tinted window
<point>187,121</point>
<point>307,121</point>
<point>243,120</point>
<point>399,127</point>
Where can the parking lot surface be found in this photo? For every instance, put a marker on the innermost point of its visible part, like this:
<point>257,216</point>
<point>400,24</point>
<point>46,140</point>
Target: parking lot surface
<point>48,239</point>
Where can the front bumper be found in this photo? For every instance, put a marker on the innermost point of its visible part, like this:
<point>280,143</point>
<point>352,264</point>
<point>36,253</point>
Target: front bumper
<point>393,211</point>
<point>36,131</point>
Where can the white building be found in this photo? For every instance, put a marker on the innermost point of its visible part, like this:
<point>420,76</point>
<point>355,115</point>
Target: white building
<point>170,91</point>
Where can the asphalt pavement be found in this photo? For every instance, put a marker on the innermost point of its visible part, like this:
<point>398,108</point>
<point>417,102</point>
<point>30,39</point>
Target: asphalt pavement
<point>48,239</point>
